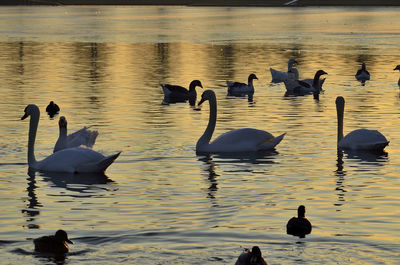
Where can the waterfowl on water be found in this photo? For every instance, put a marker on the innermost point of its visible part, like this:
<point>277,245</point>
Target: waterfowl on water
<point>302,87</point>
<point>81,137</point>
<point>239,140</point>
<point>361,139</point>
<point>397,68</point>
<point>71,160</point>
<point>251,257</point>
<point>52,108</point>
<point>362,74</point>
<point>280,76</point>
<point>53,244</point>
<point>241,88</point>
<point>179,93</point>
<point>299,226</point>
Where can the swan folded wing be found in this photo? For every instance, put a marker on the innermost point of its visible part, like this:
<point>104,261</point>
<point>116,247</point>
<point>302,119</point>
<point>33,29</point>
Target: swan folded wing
<point>82,137</point>
<point>241,140</point>
<point>69,160</point>
<point>364,139</point>
<point>279,76</point>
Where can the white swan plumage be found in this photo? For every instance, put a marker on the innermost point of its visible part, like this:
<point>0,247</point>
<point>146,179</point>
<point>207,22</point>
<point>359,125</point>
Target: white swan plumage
<point>304,87</point>
<point>360,139</point>
<point>397,68</point>
<point>362,74</point>
<point>239,140</point>
<point>81,137</point>
<point>71,160</point>
<point>280,76</point>
<point>237,88</point>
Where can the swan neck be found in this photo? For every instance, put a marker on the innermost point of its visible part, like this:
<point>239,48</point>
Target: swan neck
<point>33,125</point>
<point>206,137</point>
<point>340,116</point>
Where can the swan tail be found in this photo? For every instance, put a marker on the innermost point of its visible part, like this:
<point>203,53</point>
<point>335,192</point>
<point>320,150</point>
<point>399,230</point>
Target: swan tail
<point>270,143</point>
<point>100,166</point>
<point>278,76</point>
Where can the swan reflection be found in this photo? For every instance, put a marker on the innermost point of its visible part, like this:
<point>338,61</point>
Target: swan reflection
<point>31,210</point>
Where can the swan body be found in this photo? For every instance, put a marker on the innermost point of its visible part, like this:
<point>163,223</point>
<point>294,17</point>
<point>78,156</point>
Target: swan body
<point>71,160</point>
<point>304,86</point>
<point>397,68</point>
<point>241,88</point>
<point>291,74</point>
<point>53,244</point>
<point>299,226</point>
<point>251,257</point>
<point>179,93</point>
<point>361,139</point>
<point>362,74</point>
<point>81,137</point>
<point>239,140</point>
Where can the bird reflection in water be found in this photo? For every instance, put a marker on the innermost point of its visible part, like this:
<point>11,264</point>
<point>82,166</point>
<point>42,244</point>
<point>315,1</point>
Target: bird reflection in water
<point>31,211</point>
<point>212,177</point>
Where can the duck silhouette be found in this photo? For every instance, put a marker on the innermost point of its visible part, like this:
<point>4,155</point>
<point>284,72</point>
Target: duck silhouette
<point>53,244</point>
<point>299,226</point>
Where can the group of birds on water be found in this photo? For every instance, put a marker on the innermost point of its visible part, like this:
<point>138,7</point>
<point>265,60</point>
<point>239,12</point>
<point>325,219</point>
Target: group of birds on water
<point>73,154</point>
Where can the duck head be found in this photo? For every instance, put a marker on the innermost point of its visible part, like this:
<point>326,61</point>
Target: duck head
<point>301,211</point>
<point>62,236</point>
<point>397,67</point>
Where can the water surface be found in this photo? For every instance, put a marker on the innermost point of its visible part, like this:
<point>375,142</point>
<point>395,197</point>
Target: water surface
<point>159,203</point>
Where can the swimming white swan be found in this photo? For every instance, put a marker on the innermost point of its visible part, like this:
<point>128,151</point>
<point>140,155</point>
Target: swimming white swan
<point>361,139</point>
<point>72,160</point>
<point>362,74</point>
<point>291,74</point>
<point>398,68</point>
<point>251,257</point>
<point>239,140</point>
<point>302,87</point>
<point>241,88</point>
<point>81,137</point>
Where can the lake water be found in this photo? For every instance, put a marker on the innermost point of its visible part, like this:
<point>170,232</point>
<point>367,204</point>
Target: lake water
<point>160,203</point>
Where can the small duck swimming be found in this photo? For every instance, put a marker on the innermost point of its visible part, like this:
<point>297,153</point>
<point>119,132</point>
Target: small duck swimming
<point>251,257</point>
<point>362,74</point>
<point>299,226</point>
<point>53,244</point>
<point>52,109</point>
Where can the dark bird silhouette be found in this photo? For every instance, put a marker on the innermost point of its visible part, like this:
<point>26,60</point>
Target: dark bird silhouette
<point>299,226</point>
<point>251,257</point>
<point>53,244</point>
<point>52,109</point>
<point>362,74</point>
<point>174,93</point>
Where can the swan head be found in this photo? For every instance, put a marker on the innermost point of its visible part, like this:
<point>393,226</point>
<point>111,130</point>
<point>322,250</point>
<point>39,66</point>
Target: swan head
<point>339,102</point>
<point>207,95</point>
<point>255,255</point>
<point>301,211</point>
<point>252,76</point>
<point>291,62</point>
<point>363,67</point>
<point>320,72</point>
<point>194,84</point>
<point>62,236</point>
<point>29,110</point>
<point>397,67</point>
<point>62,123</point>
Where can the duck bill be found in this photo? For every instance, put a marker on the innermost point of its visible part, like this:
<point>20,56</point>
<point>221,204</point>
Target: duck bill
<point>69,241</point>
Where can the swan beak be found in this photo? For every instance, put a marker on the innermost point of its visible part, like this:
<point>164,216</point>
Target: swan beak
<point>24,117</point>
<point>201,102</point>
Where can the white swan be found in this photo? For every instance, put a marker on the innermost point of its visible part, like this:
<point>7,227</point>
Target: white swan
<point>235,88</point>
<point>362,74</point>
<point>398,68</point>
<point>303,87</point>
<point>239,140</point>
<point>361,139</point>
<point>72,160</point>
<point>291,74</point>
<point>81,137</point>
